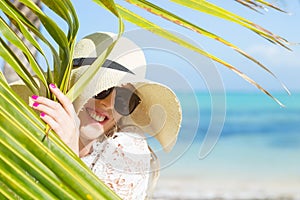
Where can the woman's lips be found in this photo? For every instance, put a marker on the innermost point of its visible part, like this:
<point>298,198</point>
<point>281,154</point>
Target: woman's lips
<point>97,116</point>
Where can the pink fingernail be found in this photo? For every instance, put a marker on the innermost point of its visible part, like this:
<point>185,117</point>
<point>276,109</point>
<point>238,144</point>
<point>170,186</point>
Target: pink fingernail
<point>52,85</point>
<point>43,114</point>
<point>35,104</point>
<point>34,97</point>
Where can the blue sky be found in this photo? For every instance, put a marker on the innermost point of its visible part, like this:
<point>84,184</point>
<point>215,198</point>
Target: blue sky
<point>285,64</point>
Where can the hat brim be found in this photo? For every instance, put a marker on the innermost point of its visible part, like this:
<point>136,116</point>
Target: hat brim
<point>159,113</point>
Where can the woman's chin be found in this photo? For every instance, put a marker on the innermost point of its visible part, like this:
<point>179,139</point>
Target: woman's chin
<point>91,131</point>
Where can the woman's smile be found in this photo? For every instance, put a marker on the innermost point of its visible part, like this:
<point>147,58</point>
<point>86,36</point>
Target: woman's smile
<point>97,117</point>
<point>100,117</point>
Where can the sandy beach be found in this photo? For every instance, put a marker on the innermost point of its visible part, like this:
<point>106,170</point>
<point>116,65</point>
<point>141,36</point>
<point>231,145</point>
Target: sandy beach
<point>189,189</point>
<point>225,175</point>
<point>233,171</point>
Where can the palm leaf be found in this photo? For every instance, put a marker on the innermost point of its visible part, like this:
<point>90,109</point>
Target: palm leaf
<point>49,169</point>
<point>59,37</point>
<point>46,167</point>
<point>70,17</point>
<point>145,24</point>
<point>13,61</point>
<point>91,71</point>
<point>254,4</point>
<point>12,37</point>
<point>24,25</point>
<point>211,9</point>
<point>182,22</point>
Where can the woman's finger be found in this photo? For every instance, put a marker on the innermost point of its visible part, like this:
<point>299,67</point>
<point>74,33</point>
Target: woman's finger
<point>56,112</point>
<point>51,122</point>
<point>60,116</point>
<point>52,108</point>
<point>66,131</point>
<point>45,101</point>
<point>65,101</point>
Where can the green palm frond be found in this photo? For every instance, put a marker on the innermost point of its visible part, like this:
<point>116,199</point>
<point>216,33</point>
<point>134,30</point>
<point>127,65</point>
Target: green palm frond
<point>258,4</point>
<point>210,9</point>
<point>84,80</point>
<point>216,11</point>
<point>30,167</point>
<point>34,169</point>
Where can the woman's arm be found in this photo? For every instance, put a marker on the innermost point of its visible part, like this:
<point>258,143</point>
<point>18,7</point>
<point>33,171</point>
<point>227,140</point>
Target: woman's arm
<point>60,116</point>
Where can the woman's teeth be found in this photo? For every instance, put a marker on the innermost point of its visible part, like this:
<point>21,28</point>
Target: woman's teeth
<point>96,117</point>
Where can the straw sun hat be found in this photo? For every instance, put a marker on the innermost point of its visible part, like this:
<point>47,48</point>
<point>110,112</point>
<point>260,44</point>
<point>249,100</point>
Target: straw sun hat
<point>158,114</point>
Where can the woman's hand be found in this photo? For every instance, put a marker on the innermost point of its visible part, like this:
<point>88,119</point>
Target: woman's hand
<point>60,116</point>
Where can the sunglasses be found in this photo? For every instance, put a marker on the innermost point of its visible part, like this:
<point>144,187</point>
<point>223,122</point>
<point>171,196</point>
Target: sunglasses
<point>125,100</point>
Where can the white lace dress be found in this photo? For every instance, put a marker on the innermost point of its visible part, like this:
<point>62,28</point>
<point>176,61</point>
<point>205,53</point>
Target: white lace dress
<point>122,162</point>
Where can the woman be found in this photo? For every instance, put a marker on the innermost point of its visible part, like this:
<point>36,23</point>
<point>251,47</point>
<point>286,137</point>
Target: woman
<point>106,124</point>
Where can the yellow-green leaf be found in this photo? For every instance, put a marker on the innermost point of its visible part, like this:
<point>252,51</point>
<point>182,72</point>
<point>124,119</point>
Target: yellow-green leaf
<point>139,21</point>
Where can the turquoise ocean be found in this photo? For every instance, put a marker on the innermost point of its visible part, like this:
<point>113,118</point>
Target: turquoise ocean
<point>256,156</point>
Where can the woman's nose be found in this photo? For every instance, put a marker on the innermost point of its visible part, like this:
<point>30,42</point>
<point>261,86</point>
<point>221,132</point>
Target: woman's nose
<point>108,101</point>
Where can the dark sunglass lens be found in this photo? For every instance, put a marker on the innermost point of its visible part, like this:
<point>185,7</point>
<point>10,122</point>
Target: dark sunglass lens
<point>134,102</point>
<point>126,101</point>
<point>103,94</point>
